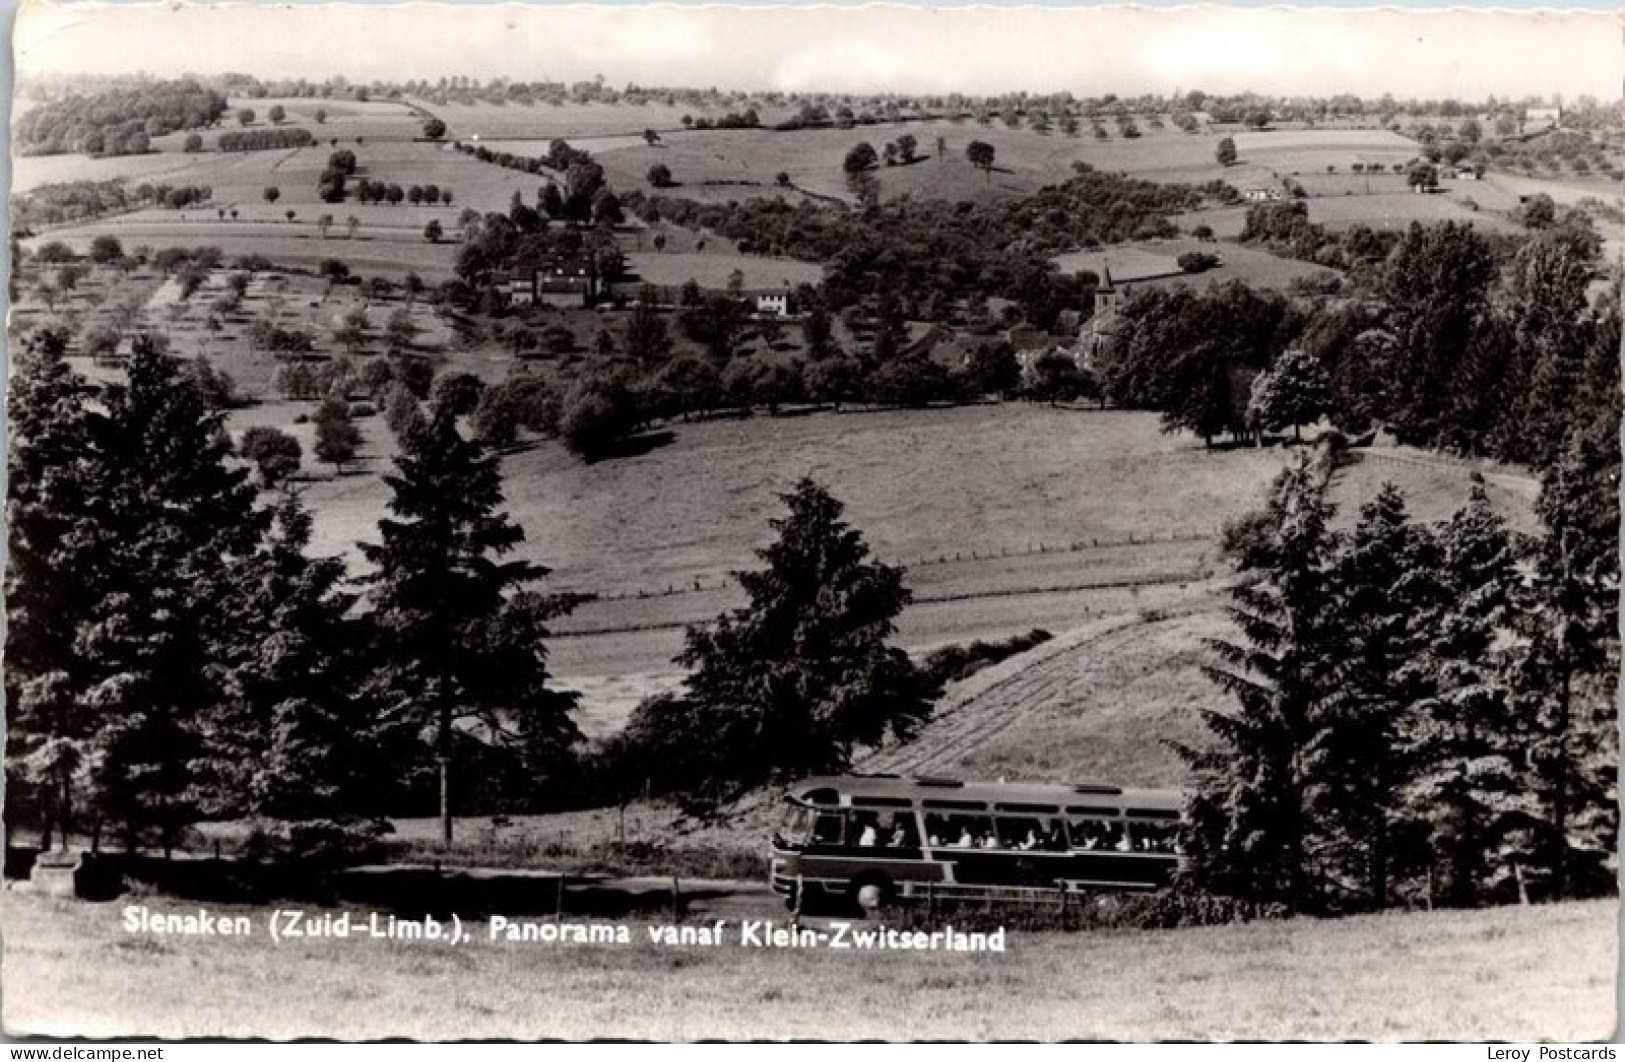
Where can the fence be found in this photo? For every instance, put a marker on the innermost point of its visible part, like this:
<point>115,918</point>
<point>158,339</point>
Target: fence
<point>700,586</point>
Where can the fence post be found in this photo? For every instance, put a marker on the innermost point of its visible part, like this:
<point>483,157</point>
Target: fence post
<point>795,910</point>
<point>558,899</point>
<point>675,894</point>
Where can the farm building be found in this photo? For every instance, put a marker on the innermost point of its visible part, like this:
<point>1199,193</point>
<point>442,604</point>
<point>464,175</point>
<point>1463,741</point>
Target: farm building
<point>562,280</point>
<point>775,304</point>
<point>520,288</point>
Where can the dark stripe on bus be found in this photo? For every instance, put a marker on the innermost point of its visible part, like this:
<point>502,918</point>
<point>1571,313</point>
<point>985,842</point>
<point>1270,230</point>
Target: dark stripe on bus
<point>954,805</point>
<point>1032,809</point>
<point>1153,813</point>
<point>1091,809</point>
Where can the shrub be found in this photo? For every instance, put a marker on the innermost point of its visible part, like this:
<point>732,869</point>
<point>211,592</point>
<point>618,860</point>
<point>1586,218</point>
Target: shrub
<point>957,662</point>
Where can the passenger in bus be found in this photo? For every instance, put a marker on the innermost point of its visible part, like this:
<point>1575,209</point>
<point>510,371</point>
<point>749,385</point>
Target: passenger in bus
<point>1031,841</point>
<point>1055,840</point>
<point>869,837</point>
<point>990,841</point>
<point>900,835</point>
<point>966,839</point>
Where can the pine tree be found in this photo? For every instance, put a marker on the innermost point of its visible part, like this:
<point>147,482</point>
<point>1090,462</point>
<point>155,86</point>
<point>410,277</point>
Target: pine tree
<point>1385,580</point>
<point>50,585</point>
<point>458,637</point>
<point>1252,814</point>
<point>297,736</point>
<point>170,518</point>
<point>802,675</point>
<point>1469,786</point>
<point>1564,669</point>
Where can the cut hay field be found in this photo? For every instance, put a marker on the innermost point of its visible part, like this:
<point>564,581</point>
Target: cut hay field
<point>1518,974</point>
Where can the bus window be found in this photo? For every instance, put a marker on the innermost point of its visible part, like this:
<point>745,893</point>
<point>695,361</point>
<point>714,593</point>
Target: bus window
<point>1155,837</point>
<point>1100,835</point>
<point>959,831</point>
<point>900,832</point>
<point>863,828</point>
<point>827,828</point>
<point>793,826</point>
<point>1025,834</point>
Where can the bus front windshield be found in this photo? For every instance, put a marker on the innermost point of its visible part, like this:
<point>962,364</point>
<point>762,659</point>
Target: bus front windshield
<point>793,827</point>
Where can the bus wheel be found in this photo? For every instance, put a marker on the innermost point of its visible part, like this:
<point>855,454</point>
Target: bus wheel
<point>872,891</point>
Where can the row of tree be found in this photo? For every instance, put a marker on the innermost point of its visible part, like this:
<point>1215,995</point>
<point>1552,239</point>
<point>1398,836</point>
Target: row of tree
<point>1423,713</point>
<point>1458,342</point>
<point>174,653</point>
<point>116,122</point>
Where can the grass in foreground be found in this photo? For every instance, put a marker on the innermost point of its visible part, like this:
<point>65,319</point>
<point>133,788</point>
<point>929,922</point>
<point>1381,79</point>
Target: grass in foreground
<point>1514,973</point>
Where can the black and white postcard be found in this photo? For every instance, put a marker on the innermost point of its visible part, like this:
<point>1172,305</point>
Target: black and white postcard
<point>695,522</point>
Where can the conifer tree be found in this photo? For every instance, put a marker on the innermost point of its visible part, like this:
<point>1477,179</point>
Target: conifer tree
<point>799,677</point>
<point>50,585</point>
<point>1252,814</point>
<point>1385,580</point>
<point>1469,786</point>
<point>169,517</point>
<point>297,736</point>
<point>1565,668</point>
<point>458,637</point>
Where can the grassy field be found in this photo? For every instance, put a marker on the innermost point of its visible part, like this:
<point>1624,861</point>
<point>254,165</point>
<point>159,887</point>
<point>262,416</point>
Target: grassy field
<point>346,119</point>
<point>1157,258</point>
<point>239,179</point>
<point>713,270</point>
<point>577,121</point>
<point>1518,974</point>
<point>1075,484</point>
<point>1025,160</point>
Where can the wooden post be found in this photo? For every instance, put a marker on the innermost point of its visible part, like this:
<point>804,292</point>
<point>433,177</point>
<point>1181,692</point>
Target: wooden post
<point>558,899</point>
<point>444,763</point>
<point>1523,891</point>
<point>795,909</point>
<point>675,896</point>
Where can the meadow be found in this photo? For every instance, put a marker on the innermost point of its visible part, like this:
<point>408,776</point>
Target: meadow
<point>1025,160</point>
<point>1160,259</point>
<point>1053,511</point>
<point>1518,974</point>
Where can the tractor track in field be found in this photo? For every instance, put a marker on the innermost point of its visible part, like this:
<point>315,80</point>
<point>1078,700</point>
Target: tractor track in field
<point>1008,694</point>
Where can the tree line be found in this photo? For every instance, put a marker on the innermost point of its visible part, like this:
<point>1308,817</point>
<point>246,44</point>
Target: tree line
<point>1420,713</point>
<point>175,653</point>
<point>1453,341</point>
<point>116,122</point>
<point>264,139</point>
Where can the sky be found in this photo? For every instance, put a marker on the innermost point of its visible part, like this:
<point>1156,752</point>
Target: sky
<point>976,50</point>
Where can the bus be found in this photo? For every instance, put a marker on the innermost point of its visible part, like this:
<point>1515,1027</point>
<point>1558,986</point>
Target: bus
<point>875,838</point>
